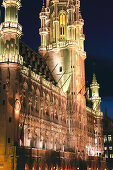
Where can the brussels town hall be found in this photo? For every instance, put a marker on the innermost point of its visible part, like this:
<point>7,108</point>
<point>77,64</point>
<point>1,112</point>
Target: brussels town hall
<point>48,119</point>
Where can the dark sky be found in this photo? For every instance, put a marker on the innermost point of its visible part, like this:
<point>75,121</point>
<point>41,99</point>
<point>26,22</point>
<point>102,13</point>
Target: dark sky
<point>98,29</point>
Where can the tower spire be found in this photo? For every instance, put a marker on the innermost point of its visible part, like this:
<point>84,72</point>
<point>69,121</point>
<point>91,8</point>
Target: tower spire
<point>43,3</point>
<point>94,79</point>
<point>95,95</point>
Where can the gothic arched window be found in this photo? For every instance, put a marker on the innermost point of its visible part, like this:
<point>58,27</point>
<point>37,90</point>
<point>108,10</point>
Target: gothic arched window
<point>62,25</point>
<point>53,31</point>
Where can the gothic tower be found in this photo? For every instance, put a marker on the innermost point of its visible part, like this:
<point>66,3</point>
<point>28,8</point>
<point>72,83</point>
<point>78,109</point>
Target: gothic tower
<point>96,100</point>
<point>62,45</point>
<point>10,63</point>
<point>98,122</point>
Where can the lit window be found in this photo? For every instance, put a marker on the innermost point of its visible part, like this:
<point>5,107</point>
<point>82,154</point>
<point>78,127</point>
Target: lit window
<point>62,25</point>
<point>53,31</point>
<point>109,138</point>
<point>33,168</point>
<point>106,156</point>
<point>105,138</point>
<point>110,148</point>
<point>111,155</point>
<point>26,167</point>
<point>105,148</point>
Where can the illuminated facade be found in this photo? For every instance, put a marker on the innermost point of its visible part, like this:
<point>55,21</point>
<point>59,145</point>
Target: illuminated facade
<point>45,123</point>
<point>108,140</point>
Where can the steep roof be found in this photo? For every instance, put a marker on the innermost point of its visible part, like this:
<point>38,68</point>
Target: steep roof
<point>35,62</point>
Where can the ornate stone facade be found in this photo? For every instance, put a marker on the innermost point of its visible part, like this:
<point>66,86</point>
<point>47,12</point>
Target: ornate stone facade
<point>45,123</point>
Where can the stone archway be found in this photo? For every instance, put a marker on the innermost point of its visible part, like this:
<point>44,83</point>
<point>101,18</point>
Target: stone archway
<point>34,167</point>
<point>61,167</point>
<point>26,167</point>
<point>66,167</point>
<point>51,168</point>
<point>40,167</point>
<point>69,167</point>
<point>46,167</point>
<point>56,167</point>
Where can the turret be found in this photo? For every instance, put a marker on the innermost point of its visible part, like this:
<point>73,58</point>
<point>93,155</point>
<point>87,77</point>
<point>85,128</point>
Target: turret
<point>43,30</point>
<point>11,32</point>
<point>56,23</point>
<point>98,126</point>
<point>95,95</point>
<point>10,66</point>
<point>71,28</point>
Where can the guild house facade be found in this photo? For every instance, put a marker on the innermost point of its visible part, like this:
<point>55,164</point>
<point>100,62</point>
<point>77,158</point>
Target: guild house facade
<point>46,122</point>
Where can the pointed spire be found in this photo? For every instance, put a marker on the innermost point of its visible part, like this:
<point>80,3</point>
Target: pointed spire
<point>80,15</point>
<point>94,79</point>
<point>43,6</point>
<point>43,3</point>
<point>94,85</point>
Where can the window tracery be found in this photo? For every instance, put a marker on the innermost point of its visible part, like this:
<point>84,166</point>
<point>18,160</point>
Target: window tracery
<point>62,25</point>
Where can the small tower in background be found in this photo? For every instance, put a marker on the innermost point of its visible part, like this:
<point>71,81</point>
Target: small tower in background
<point>43,31</point>
<point>96,100</point>
<point>97,123</point>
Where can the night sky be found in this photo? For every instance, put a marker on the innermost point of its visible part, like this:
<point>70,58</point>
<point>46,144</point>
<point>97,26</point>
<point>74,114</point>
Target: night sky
<point>98,29</point>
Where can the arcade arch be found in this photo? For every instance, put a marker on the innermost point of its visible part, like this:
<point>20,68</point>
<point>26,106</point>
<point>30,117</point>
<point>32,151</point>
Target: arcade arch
<point>34,167</point>
<point>26,167</point>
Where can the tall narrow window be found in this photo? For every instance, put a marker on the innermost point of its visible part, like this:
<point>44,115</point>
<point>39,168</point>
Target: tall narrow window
<point>60,69</point>
<point>53,32</point>
<point>109,138</point>
<point>62,25</point>
<point>8,140</point>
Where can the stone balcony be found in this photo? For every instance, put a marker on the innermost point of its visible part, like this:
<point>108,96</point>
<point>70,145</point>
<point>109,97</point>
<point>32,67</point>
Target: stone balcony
<point>11,58</point>
<point>61,44</point>
<point>17,3</point>
<point>10,26</point>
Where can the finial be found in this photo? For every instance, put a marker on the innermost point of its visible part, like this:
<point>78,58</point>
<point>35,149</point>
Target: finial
<point>43,6</point>
<point>94,78</point>
<point>43,3</point>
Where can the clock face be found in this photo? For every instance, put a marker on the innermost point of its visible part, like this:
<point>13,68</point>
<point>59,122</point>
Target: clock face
<point>17,105</point>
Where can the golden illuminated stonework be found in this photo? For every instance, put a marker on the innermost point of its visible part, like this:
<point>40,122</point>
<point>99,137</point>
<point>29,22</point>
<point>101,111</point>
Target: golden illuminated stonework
<point>46,122</point>
<point>17,106</point>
